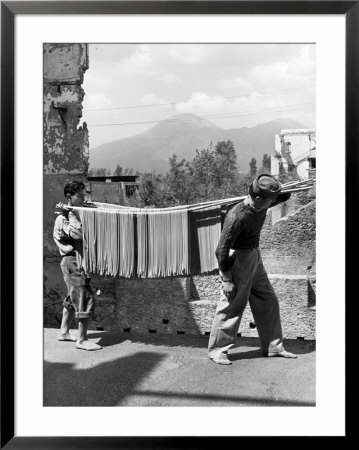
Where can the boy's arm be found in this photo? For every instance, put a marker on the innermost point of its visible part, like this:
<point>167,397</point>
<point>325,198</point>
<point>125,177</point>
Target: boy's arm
<point>75,226</point>
<point>231,228</point>
<point>60,237</point>
<point>74,229</point>
<point>71,224</point>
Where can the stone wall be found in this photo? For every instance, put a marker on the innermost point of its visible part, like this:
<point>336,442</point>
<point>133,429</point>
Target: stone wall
<point>186,305</point>
<point>178,305</point>
<point>288,245</point>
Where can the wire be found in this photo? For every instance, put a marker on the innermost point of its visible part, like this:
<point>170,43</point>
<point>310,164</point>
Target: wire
<point>201,101</point>
<point>215,116</point>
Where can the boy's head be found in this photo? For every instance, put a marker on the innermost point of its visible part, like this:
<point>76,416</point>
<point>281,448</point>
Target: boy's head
<point>75,193</point>
<point>263,190</point>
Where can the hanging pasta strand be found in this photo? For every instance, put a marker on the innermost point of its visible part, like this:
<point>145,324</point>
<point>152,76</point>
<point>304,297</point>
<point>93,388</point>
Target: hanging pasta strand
<point>126,230</point>
<point>142,245</point>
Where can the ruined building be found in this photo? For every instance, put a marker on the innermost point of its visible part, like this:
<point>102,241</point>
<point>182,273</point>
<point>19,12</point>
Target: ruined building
<point>66,148</point>
<point>295,151</point>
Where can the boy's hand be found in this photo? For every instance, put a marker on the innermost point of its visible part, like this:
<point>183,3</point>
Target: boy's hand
<point>62,207</point>
<point>229,288</point>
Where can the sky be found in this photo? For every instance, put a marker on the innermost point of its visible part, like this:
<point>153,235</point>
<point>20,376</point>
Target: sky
<point>131,87</point>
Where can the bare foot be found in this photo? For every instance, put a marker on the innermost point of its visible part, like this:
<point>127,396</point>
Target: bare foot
<point>87,345</point>
<point>224,361</point>
<point>283,354</point>
<point>67,337</point>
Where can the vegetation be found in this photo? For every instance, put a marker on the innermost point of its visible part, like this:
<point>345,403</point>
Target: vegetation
<point>212,174</point>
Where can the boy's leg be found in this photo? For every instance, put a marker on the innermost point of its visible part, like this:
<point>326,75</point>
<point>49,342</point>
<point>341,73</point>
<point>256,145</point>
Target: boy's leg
<point>265,308</point>
<point>86,309</point>
<point>229,311</point>
<point>68,315</point>
<point>224,329</point>
<point>68,312</point>
<point>81,299</point>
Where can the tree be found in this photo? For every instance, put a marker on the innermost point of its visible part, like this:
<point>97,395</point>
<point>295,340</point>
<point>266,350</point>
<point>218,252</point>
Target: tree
<point>253,167</point>
<point>226,168</point>
<point>179,180</point>
<point>266,163</point>
<point>98,172</point>
<point>204,172</point>
<point>226,159</point>
<point>118,170</point>
<point>128,171</point>
<point>152,191</point>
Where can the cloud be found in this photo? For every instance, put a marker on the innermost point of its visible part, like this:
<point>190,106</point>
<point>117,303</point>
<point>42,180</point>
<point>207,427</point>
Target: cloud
<point>263,77</point>
<point>227,112</point>
<point>97,79</point>
<point>238,82</point>
<point>171,79</point>
<point>201,103</point>
<point>296,72</point>
<point>152,99</point>
<point>159,59</point>
<point>96,100</point>
<point>141,59</point>
<point>285,73</point>
<point>187,53</point>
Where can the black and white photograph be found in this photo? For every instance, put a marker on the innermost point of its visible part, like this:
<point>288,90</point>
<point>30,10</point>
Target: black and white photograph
<point>179,224</point>
<point>175,252</point>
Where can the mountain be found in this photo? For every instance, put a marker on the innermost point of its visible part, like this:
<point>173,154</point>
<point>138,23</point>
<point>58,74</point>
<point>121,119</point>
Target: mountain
<point>182,135</point>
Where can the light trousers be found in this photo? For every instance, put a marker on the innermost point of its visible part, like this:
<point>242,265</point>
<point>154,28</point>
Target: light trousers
<point>253,285</point>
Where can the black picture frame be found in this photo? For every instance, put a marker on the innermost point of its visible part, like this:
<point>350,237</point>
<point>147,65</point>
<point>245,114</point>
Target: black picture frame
<point>9,9</point>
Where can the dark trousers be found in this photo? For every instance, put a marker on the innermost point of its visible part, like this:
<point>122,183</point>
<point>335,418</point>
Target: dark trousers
<point>253,286</point>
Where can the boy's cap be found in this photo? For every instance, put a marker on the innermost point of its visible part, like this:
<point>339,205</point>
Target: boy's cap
<point>266,186</point>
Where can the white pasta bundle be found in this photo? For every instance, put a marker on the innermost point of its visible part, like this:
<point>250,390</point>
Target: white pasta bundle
<point>157,246</point>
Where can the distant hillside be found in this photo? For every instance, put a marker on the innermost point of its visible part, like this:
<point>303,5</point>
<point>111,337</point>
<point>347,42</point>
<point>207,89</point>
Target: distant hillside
<point>182,135</point>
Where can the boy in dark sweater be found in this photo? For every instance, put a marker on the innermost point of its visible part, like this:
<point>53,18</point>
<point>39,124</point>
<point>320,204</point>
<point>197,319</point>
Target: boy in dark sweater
<point>244,277</point>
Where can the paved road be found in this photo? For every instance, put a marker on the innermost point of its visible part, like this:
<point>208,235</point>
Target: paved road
<point>153,370</point>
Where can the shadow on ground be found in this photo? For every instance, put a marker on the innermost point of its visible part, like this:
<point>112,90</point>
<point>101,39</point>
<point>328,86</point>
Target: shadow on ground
<point>108,339</point>
<point>104,385</point>
<point>110,383</point>
<point>173,371</point>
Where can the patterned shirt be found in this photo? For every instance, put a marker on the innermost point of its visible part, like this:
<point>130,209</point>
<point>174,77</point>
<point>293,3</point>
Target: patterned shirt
<point>241,230</point>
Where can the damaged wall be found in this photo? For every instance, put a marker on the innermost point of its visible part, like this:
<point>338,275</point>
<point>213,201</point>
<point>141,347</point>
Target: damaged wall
<point>288,245</point>
<point>65,143</point>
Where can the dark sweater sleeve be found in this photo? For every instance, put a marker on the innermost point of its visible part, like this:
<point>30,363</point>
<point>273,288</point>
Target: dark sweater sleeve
<point>231,228</point>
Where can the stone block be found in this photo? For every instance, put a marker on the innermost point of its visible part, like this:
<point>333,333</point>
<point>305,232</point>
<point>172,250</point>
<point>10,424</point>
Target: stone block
<point>65,63</point>
<point>66,145</point>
